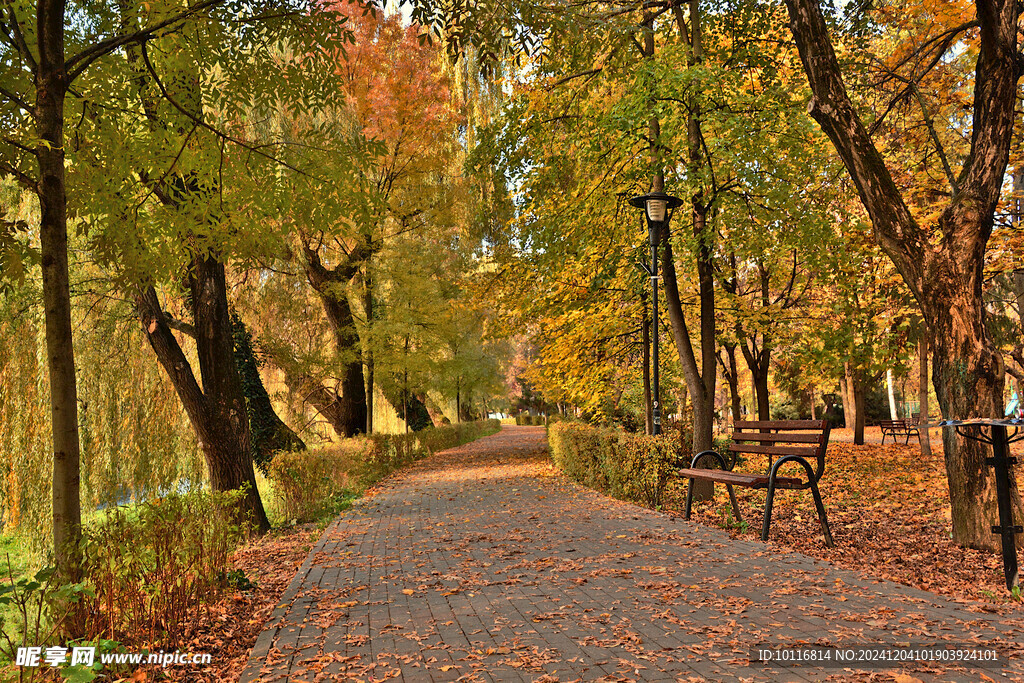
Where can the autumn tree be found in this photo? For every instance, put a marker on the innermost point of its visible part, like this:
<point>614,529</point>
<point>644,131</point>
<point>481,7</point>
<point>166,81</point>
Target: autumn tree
<point>941,255</point>
<point>400,117</point>
<point>48,47</point>
<point>170,181</point>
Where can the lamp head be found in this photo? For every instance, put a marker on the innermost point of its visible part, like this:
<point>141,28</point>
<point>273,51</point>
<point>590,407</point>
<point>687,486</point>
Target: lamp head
<point>657,207</point>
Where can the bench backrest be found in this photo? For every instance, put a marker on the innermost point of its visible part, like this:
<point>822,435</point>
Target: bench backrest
<point>776,438</point>
<point>892,424</point>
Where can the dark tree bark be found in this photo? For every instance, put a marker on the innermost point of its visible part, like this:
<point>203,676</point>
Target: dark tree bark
<point>311,390</point>
<point>331,285</point>
<point>944,269</point>
<point>217,411</point>
<point>854,384</point>
<point>849,411</point>
<point>732,377</point>
<point>758,360</point>
<point>757,354</point>
<point>922,354</point>
<point>857,391</point>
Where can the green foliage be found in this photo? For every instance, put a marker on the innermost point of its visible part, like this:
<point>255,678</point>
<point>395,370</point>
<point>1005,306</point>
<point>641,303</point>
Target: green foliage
<point>633,467</point>
<point>321,482</point>
<point>40,607</point>
<point>307,481</point>
<point>135,435</point>
<point>148,572</point>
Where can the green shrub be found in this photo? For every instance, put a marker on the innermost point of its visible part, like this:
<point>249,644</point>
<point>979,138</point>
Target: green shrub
<point>632,467</point>
<point>307,481</point>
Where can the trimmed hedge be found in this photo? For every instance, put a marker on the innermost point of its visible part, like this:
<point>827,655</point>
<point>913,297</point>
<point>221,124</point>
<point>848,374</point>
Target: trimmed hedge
<point>633,467</point>
<point>309,482</point>
<point>525,419</point>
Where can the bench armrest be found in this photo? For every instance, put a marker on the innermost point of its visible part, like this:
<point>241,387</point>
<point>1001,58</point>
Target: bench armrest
<point>812,476</point>
<point>718,457</point>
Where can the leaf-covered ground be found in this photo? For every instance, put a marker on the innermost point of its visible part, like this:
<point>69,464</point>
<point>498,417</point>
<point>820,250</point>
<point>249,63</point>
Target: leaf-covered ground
<point>888,508</point>
<point>230,627</point>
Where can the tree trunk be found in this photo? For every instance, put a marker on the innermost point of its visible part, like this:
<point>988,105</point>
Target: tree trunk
<point>217,411</point>
<point>758,357</point>
<point>968,375</point>
<point>732,378</point>
<point>849,411</point>
<point>858,408</point>
<point>367,348</point>
<point>331,285</point>
<point>922,353</point>
<point>893,414</point>
<point>60,353</point>
<point>855,389</point>
<point>759,376</point>
<point>942,263</point>
<point>269,434</point>
<point>700,380</point>
<point>310,390</point>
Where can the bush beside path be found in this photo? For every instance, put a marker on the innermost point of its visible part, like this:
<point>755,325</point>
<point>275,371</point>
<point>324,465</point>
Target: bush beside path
<point>484,563</point>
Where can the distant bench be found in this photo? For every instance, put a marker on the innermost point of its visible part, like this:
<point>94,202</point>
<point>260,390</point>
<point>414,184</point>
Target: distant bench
<point>787,441</point>
<point>896,428</point>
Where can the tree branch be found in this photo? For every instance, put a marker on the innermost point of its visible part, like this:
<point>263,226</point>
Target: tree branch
<point>80,62</point>
<point>17,39</point>
<point>26,180</point>
<point>204,125</point>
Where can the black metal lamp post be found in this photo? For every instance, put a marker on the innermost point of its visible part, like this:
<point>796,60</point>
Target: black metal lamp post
<point>658,208</point>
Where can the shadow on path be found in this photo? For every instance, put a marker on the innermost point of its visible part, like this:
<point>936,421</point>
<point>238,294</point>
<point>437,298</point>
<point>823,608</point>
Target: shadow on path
<point>483,563</point>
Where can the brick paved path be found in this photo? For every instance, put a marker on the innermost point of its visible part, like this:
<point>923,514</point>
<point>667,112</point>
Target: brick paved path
<point>482,563</point>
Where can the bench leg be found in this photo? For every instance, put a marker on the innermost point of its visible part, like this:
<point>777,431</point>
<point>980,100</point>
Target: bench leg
<point>735,506</point>
<point>768,512</point>
<point>689,499</point>
<point>821,516</point>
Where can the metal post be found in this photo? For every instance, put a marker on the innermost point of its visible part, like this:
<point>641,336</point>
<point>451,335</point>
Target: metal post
<point>1001,462</point>
<point>655,389</point>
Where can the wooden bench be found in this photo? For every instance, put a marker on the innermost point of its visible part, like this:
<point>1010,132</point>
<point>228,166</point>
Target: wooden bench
<point>896,428</point>
<point>783,442</point>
